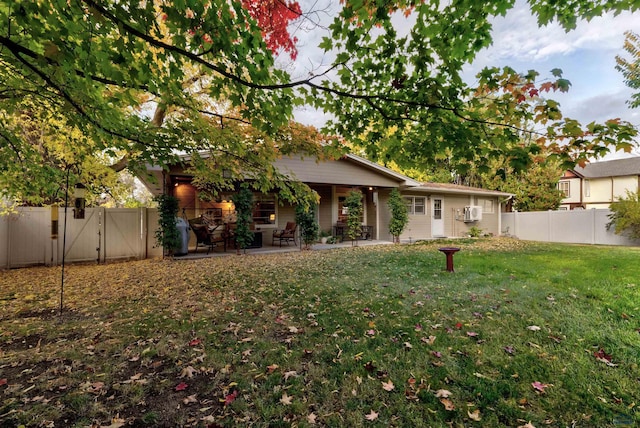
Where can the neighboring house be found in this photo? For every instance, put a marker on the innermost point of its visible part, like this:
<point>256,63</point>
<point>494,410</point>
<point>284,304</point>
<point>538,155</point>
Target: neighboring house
<point>599,184</point>
<point>436,210</point>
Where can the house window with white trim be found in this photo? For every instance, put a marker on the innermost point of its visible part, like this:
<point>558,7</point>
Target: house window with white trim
<point>587,188</point>
<point>487,205</point>
<point>415,205</point>
<point>565,188</point>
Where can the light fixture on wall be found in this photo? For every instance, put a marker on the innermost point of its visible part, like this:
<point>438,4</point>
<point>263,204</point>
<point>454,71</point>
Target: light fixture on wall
<point>272,217</point>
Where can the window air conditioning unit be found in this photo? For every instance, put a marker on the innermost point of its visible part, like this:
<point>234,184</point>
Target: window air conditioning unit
<point>472,213</point>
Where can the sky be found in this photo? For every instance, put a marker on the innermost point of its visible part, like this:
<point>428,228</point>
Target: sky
<point>586,56</point>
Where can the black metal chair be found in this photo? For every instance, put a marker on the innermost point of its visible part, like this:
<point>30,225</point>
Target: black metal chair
<point>287,235</point>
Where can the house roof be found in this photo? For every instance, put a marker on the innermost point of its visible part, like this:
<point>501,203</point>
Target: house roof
<point>307,167</point>
<point>457,189</point>
<point>612,168</point>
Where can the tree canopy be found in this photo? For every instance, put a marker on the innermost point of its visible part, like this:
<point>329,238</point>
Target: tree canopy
<point>141,81</point>
<point>630,67</point>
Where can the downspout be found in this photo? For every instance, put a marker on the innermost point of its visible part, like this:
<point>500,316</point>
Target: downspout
<point>611,199</point>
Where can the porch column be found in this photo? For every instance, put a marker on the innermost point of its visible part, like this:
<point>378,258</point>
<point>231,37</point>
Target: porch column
<point>376,203</point>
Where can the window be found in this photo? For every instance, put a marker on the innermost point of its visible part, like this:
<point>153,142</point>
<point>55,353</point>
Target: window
<point>587,188</point>
<point>437,209</point>
<point>264,209</point>
<point>343,212</point>
<point>415,205</point>
<point>487,205</point>
<point>565,188</point>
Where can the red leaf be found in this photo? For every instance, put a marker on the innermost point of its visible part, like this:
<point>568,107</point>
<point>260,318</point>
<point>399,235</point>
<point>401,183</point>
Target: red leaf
<point>3,381</point>
<point>230,398</point>
<point>181,386</point>
<point>273,18</point>
<point>195,342</point>
<point>459,325</point>
<point>602,355</point>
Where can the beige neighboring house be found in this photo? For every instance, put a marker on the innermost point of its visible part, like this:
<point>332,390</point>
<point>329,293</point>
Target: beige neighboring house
<point>599,184</point>
<point>435,210</point>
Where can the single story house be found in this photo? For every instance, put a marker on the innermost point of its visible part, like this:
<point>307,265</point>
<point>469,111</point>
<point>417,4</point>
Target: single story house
<point>435,210</point>
<point>598,184</point>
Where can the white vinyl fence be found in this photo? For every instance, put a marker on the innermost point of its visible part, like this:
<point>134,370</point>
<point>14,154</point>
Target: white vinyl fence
<point>103,235</point>
<point>576,226</point>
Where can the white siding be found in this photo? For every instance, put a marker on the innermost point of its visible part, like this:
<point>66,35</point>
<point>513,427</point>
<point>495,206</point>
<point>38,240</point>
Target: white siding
<point>339,172</point>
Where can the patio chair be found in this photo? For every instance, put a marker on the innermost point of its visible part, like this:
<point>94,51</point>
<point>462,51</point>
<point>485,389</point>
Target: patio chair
<point>287,235</point>
<point>207,237</point>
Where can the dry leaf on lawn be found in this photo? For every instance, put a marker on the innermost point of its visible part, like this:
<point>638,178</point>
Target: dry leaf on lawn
<point>443,393</point>
<point>371,416</point>
<point>448,404</point>
<point>286,399</point>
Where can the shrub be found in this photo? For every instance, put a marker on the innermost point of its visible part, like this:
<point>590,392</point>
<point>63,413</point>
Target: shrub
<point>243,201</point>
<point>167,235</point>
<point>306,219</point>
<point>625,216</point>
<point>353,203</point>
<point>399,215</point>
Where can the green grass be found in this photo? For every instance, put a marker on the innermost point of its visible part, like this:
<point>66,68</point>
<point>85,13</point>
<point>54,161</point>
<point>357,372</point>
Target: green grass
<point>328,329</point>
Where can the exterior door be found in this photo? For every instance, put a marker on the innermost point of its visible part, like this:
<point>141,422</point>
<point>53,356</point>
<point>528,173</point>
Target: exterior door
<point>437,216</point>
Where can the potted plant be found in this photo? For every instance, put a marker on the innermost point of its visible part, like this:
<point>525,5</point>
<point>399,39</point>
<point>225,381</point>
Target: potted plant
<point>324,236</point>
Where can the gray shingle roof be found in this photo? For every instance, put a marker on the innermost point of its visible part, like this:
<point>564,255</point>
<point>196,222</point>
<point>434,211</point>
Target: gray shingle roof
<point>612,168</point>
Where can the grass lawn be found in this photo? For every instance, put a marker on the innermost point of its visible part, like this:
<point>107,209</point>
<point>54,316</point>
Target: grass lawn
<point>522,334</point>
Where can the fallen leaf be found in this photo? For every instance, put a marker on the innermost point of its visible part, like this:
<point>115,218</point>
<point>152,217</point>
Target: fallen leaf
<point>408,345</point>
<point>436,354</point>
<point>388,386</point>
<point>459,326</point>
<point>190,399</point>
<point>3,381</point>
<point>293,329</point>
<point>428,340</point>
<point>509,350</point>
<point>286,399</point>
<point>475,415</point>
<point>181,386</point>
<point>187,372</point>
<point>272,368</point>
<point>230,398</point>
<point>291,373</point>
<point>443,393</point>
<point>601,355</point>
<point>472,334</point>
<point>539,386</point>
<point>195,342</point>
<point>448,404</point>
<point>372,416</point>
<point>311,418</point>
<point>115,423</point>
<point>527,425</point>
<point>533,328</point>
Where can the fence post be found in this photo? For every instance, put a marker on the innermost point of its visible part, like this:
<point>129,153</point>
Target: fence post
<point>593,226</point>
